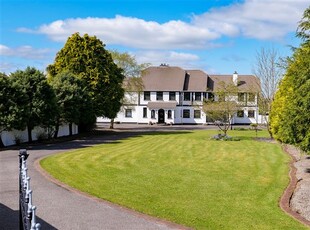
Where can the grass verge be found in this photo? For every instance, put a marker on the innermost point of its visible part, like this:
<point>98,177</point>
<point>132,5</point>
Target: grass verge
<point>186,178</point>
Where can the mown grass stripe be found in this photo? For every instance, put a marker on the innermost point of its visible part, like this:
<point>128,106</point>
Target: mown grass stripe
<point>186,178</point>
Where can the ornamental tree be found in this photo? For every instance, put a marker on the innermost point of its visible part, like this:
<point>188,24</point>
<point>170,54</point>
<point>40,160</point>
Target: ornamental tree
<point>86,57</point>
<point>223,107</point>
<point>133,82</point>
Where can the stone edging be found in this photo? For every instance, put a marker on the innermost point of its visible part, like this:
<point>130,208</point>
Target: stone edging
<point>289,191</point>
<point>159,221</point>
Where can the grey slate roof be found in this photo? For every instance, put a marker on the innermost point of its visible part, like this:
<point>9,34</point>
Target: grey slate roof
<point>246,83</point>
<point>167,78</point>
<point>163,78</point>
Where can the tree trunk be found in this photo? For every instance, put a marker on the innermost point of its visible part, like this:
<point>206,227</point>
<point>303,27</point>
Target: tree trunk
<point>112,124</point>
<point>29,129</point>
<point>56,130</point>
<point>70,129</point>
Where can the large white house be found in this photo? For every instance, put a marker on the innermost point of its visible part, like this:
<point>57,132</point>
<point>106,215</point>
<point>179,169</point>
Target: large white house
<point>173,95</point>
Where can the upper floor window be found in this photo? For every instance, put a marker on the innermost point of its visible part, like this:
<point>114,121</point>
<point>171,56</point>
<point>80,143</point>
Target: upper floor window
<point>171,96</point>
<point>159,96</point>
<point>241,96</point>
<point>251,97</point>
<point>187,96</point>
<point>197,96</point>
<point>147,96</point>
<point>211,96</point>
<point>128,113</point>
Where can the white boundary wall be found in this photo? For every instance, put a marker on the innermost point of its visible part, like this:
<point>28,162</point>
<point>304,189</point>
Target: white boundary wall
<point>9,138</point>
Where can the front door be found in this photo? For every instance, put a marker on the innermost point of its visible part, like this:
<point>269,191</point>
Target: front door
<point>161,116</point>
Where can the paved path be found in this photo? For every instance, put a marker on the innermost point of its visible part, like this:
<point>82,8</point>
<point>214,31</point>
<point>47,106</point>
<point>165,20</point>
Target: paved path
<point>58,208</point>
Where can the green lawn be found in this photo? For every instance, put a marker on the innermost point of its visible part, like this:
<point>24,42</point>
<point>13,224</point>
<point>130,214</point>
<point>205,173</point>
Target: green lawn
<point>186,178</point>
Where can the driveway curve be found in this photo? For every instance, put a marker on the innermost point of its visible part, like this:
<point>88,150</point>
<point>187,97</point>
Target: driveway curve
<point>60,208</point>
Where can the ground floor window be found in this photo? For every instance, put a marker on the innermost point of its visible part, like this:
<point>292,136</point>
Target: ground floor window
<point>169,114</point>
<point>240,113</point>
<point>144,112</point>
<point>251,113</point>
<point>197,114</point>
<point>128,113</point>
<point>153,113</point>
<point>186,113</point>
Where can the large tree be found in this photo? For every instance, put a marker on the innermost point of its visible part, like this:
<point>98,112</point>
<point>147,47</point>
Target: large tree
<point>86,57</point>
<point>71,97</point>
<point>12,106</point>
<point>222,108</point>
<point>269,72</point>
<point>289,117</point>
<point>40,106</point>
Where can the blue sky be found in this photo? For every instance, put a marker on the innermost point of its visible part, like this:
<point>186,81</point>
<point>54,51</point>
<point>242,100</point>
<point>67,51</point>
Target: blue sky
<point>217,36</point>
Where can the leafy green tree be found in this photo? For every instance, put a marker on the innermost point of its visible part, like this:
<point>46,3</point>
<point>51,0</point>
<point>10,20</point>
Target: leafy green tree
<point>87,58</point>
<point>128,63</point>
<point>222,110</point>
<point>40,106</point>
<point>71,96</point>
<point>289,117</point>
<point>12,106</point>
<point>303,30</point>
<point>133,83</point>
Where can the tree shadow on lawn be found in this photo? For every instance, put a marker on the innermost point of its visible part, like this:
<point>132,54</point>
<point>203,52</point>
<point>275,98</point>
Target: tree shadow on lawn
<point>95,138</point>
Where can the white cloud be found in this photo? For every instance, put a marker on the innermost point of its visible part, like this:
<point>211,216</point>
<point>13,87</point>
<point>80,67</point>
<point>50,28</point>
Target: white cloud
<point>26,52</point>
<point>131,32</point>
<point>262,19</point>
<point>172,58</point>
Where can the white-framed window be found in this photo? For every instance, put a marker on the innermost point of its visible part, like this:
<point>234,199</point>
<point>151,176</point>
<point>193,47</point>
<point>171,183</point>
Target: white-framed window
<point>186,113</point>
<point>147,96</point>
<point>251,113</point>
<point>169,114</point>
<point>152,113</point>
<point>197,96</point>
<point>240,113</point>
<point>187,96</point>
<point>144,112</point>
<point>128,113</point>
<point>241,97</point>
<point>159,96</point>
<point>197,113</point>
<point>251,97</point>
<point>171,96</point>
